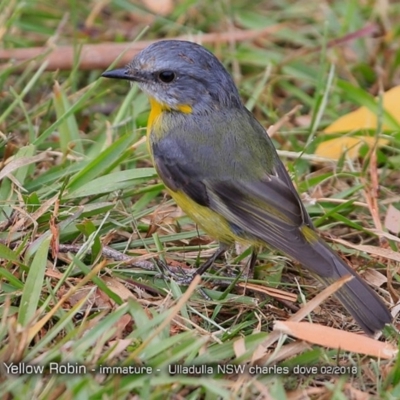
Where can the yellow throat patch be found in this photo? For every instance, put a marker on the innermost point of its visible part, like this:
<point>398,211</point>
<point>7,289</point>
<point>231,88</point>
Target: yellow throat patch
<point>158,108</point>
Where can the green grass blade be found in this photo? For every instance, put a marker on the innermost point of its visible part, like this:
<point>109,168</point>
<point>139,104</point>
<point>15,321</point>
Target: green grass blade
<point>33,285</point>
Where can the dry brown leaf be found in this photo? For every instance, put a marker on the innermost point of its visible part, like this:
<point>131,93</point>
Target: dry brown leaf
<point>275,293</point>
<point>371,190</point>
<point>258,353</point>
<point>17,163</point>
<point>336,339</point>
<point>120,326</point>
<point>374,277</point>
<point>377,251</point>
<point>160,7</point>
<point>356,394</point>
<point>53,273</point>
<point>239,347</point>
<point>55,231</point>
<point>289,350</point>
<point>392,220</point>
<point>304,394</point>
<point>360,119</point>
<point>382,234</point>
<point>31,218</point>
<point>118,288</point>
<point>273,129</point>
<point>395,310</point>
<point>88,292</point>
<point>120,346</point>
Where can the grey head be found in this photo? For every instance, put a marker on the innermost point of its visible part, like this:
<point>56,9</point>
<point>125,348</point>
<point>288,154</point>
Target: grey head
<point>181,75</point>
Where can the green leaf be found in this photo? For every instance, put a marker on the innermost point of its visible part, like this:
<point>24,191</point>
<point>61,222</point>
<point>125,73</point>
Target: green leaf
<point>98,165</point>
<point>33,285</point>
<point>112,182</point>
<point>88,228</point>
<point>68,129</point>
<point>11,279</point>
<point>7,253</point>
<point>44,135</point>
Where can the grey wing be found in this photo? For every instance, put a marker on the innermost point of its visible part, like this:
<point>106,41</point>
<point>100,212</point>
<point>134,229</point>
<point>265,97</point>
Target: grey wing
<point>272,212</point>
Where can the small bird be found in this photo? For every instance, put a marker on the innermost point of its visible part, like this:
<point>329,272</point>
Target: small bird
<point>222,169</point>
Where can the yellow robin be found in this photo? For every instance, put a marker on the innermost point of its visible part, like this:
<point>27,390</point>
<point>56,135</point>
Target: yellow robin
<point>222,169</point>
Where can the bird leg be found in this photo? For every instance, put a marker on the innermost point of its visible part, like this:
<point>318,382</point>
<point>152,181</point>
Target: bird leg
<point>210,261</point>
<point>252,263</point>
<point>185,278</point>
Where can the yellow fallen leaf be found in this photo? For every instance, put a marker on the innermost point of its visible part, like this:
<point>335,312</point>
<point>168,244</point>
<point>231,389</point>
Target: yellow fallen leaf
<point>334,148</point>
<point>336,339</point>
<point>362,118</point>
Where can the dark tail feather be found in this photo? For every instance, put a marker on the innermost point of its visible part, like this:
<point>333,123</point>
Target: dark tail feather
<point>359,299</point>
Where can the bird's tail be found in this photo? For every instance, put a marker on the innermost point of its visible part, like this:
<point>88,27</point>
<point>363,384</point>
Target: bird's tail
<point>359,299</point>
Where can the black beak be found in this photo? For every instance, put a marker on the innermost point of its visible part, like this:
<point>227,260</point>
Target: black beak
<point>120,73</point>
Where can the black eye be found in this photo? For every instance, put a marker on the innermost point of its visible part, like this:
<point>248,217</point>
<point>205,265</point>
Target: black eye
<point>166,76</point>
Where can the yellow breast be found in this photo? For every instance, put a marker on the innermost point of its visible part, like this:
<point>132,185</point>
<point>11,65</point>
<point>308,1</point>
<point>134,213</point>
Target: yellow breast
<point>214,224</point>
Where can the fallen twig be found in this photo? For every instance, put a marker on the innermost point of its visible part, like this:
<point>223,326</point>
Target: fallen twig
<point>102,55</point>
<point>115,255</point>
